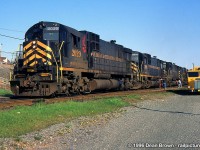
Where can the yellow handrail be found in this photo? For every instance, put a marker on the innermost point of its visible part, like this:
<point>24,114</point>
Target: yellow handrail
<point>61,73</point>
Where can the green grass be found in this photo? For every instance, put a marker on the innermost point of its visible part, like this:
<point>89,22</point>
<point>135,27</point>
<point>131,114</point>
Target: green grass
<point>160,94</point>
<point>134,96</point>
<point>6,93</point>
<point>24,119</point>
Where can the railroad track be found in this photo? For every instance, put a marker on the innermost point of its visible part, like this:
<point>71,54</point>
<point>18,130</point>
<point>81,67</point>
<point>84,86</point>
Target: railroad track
<point>7,103</point>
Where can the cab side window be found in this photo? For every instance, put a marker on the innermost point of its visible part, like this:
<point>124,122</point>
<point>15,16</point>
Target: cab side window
<point>75,41</point>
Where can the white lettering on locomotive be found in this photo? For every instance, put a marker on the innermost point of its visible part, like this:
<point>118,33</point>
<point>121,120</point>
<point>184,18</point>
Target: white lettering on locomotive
<point>52,28</point>
<point>76,53</point>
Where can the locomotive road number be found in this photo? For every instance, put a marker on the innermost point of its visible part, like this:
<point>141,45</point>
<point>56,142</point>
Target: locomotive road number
<point>52,28</point>
<point>76,53</point>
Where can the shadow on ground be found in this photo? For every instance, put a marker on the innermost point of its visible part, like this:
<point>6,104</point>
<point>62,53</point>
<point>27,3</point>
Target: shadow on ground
<point>183,92</point>
<point>167,111</point>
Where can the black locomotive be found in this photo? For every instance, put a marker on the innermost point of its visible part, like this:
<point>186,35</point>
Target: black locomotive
<point>57,59</point>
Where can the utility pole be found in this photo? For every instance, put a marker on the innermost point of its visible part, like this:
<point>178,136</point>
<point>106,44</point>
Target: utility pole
<point>0,48</point>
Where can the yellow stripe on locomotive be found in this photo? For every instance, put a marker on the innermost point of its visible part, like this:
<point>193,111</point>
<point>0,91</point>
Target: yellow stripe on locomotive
<point>35,50</point>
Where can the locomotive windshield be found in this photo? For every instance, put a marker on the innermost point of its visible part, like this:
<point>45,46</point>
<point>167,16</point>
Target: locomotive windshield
<point>34,34</point>
<point>50,36</point>
<point>51,33</point>
<point>135,57</point>
<point>164,65</point>
<point>193,74</point>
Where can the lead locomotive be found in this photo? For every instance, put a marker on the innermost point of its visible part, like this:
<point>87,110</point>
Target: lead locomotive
<point>57,59</point>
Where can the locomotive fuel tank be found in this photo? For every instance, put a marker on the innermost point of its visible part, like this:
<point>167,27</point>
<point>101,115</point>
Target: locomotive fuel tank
<point>99,84</point>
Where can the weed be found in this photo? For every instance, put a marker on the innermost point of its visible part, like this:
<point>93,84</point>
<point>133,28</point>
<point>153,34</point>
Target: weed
<point>6,93</point>
<point>18,139</point>
<point>38,137</point>
<point>68,125</point>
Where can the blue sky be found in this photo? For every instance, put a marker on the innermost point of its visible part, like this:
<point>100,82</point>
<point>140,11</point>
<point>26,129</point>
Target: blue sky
<point>168,29</point>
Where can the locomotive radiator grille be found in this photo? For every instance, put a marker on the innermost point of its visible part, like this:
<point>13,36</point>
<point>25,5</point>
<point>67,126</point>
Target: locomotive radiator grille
<point>35,50</point>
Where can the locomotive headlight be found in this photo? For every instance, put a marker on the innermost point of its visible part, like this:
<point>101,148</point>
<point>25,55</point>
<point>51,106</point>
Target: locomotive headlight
<point>34,46</point>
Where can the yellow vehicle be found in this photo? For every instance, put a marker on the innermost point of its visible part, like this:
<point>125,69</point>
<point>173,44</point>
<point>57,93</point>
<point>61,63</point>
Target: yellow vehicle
<point>194,79</point>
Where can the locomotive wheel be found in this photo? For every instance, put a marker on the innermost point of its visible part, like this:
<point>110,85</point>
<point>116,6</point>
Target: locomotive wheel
<point>136,85</point>
<point>53,95</point>
<point>148,84</point>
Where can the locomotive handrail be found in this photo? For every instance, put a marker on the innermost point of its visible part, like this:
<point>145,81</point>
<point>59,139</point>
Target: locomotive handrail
<point>56,65</point>
<point>61,74</point>
<point>56,61</point>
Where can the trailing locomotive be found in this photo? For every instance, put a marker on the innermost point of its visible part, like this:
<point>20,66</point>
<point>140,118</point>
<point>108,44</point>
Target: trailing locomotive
<point>57,59</point>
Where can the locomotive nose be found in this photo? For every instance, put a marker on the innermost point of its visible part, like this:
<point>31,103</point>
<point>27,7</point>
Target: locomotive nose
<point>36,51</point>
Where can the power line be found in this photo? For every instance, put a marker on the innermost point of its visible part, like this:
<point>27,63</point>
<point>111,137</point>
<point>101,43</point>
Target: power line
<point>10,52</point>
<point>11,37</point>
<point>11,30</point>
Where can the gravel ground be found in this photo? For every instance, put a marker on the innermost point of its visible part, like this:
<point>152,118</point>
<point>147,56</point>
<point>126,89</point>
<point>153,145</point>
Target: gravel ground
<point>150,124</point>
<point>61,136</point>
